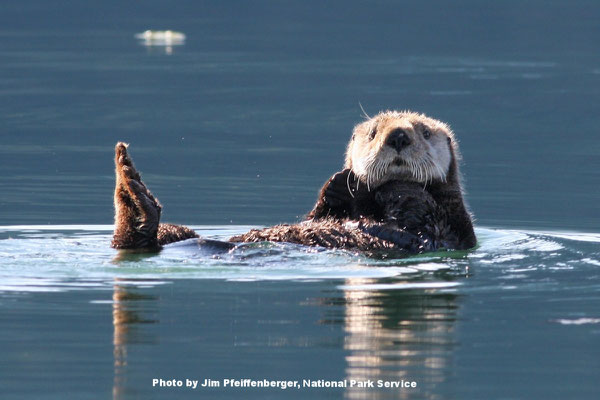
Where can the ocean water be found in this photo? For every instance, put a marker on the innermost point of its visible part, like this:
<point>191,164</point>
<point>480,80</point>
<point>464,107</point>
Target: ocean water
<point>515,318</point>
<point>238,127</point>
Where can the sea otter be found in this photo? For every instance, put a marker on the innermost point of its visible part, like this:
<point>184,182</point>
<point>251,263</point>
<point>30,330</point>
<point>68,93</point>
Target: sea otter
<point>403,167</point>
<point>400,192</point>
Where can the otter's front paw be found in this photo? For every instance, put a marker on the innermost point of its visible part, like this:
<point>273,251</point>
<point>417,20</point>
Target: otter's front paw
<point>334,199</point>
<point>402,239</point>
<point>340,189</point>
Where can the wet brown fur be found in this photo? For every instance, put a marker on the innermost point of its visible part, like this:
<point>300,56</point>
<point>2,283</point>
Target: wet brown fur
<point>137,214</point>
<point>327,233</point>
<point>397,210</point>
<point>137,211</point>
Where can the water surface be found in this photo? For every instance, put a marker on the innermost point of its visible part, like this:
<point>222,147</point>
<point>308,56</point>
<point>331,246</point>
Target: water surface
<point>241,125</point>
<point>503,320</point>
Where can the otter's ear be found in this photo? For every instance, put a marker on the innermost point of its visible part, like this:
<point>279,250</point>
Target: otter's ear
<point>449,140</point>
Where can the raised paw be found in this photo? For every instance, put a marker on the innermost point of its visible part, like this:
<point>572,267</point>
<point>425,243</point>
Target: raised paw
<point>137,211</point>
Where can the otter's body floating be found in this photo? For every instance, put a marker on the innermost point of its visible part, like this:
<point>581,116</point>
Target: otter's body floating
<point>400,193</point>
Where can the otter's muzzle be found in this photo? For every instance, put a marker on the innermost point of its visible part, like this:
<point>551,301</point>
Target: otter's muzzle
<point>398,139</point>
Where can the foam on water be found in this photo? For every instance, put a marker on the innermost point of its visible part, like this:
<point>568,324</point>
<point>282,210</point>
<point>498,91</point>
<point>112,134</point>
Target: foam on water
<point>76,257</point>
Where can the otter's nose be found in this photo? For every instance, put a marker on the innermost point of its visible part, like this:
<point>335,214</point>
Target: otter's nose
<point>397,139</point>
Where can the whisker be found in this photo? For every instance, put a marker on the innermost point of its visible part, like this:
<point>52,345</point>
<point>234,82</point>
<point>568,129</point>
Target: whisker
<point>364,112</point>
<point>348,184</point>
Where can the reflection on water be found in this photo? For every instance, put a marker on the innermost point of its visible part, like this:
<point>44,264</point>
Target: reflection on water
<point>127,315</point>
<point>304,314</point>
<point>457,335</point>
<point>398,335</point>
<point>388,335</point>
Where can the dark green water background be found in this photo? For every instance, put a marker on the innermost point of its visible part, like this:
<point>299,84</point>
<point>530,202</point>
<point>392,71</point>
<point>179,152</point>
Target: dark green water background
<point>242,125</point>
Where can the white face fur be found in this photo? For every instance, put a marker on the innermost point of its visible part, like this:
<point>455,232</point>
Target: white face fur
<point>400,145</point>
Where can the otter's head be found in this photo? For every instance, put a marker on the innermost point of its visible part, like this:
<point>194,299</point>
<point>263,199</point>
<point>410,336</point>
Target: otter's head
<point>401,145</point>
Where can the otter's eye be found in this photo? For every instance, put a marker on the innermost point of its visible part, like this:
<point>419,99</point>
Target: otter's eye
<point>426,133</point>
<point>372,133</point>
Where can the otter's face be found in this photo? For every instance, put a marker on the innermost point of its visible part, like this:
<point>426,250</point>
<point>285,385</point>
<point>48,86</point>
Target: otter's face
<point>400,145</point>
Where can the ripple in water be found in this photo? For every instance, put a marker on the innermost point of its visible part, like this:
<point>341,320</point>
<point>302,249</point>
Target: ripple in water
<point>60,258</point>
